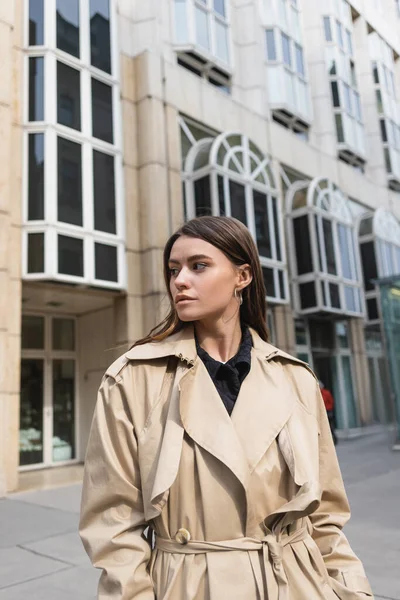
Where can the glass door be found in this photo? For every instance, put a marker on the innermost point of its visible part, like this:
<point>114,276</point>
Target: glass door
<point>31,429</point>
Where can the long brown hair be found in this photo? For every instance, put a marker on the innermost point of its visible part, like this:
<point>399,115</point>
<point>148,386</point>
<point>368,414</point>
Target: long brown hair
<point>233,239</point>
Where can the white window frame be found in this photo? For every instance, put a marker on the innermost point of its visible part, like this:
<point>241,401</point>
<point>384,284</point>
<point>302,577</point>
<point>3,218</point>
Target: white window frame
<point>52,130</point>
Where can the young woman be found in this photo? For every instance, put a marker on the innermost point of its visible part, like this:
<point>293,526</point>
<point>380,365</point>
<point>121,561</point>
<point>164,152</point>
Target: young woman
<point>219,442</point>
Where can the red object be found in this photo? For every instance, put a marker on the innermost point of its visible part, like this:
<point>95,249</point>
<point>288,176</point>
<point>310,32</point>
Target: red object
<point>327,398</point>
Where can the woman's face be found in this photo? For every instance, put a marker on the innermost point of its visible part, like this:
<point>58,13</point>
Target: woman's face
<point>203,280</point>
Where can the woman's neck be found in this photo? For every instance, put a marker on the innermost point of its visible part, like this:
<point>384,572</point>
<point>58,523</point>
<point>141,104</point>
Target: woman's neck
<point>221,341</point>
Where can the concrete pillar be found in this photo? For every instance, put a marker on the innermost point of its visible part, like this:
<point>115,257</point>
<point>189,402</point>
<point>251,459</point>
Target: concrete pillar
<point>10,240</point>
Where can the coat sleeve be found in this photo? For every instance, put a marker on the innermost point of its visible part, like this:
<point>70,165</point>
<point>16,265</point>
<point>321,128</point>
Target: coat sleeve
<point>346,573</point>
<point>112,521</point>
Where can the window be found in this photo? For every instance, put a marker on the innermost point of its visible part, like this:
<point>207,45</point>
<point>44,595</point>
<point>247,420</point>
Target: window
<point>327,29</point>
<point>271,49</point>
<point>286,50</point>
<point>299,60</point>
<point>73,202</point>
<point>238,183</point>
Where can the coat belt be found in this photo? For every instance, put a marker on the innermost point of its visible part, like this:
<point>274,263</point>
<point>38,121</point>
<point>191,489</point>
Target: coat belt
<point>271,547</point>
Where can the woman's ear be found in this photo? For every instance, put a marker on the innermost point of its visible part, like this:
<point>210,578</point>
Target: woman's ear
<point>245,276</point>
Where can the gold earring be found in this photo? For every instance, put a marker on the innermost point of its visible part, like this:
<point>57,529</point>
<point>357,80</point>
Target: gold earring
<point>239,297</point>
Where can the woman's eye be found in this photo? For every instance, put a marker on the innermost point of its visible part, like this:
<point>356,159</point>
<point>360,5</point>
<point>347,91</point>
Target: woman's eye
<point>173,272</point>
<point>201,265</point>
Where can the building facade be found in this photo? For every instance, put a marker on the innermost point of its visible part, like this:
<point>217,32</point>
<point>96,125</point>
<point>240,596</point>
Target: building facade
<point>121,119</point>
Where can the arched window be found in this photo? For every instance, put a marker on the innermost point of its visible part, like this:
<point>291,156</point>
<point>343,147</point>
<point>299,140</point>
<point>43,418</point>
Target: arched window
<point>379,237</point>
<point>229,175</point>
<point>324,257</point>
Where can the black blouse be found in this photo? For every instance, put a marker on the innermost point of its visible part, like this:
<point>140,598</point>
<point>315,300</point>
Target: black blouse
<point>229,376</point>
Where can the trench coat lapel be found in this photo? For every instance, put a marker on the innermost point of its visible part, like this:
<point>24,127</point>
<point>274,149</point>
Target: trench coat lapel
<point>264,405</point>
<point>208,423</point>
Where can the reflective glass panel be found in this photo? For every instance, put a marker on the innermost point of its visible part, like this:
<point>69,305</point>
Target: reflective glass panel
<point>268,275</point>
<point>106,266</point>
<point>68,96</point>
<point>261,223</point>
<point>68,26</point>
<point>63,334</point>
<point>219,7</point>
<point>335,94</point>
<point>102,116</point>
<point>334,293</point>
<point>69,182</point>
<point>302,245</point>
<point>36,22</point>
<point>286,50</point>
<point>36,89</point>
<point>238,202</point>
<point>181,21</point>
<point>368,262</point>
<point>31,412</point>
<point>345,249</point>
<point>329,247</point>
<point>63,410</point>
<point>35,252</point>
<point>277,231</point>
<point>32,332</point>
<point>327,29</point>
<point>100,45</point>
<point>36,176</point>
<point>104,192</point>
<point>271,49</point>
<point>202,196</point>
<point>221,39</point>
<point>202,33</point>
<point>70,256</point>
<point>299,60</point>
<point>308,297</point>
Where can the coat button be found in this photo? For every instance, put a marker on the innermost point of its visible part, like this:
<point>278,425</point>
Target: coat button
<point>182,536</point>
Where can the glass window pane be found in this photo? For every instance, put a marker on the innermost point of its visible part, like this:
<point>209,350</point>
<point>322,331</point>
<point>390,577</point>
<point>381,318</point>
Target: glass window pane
<point>31,412</point>
<point>102,116</point>
<point>100,44</point>
<point>302,245</point>
<point>357,105</point>
<point>345,250</point>
<point>372,309</point>
<point>70,256</point>
<point>263,237</point>
<point>379,103</point>
<point>202,33</point>
<point>36,176</point>
<point>388,162</point>
<point>300,332</point>
<point>277,230</point>
<point>219,7</point>
<point>63,410</point>
<point>32,332</point>
<point>35,252</point>
<point>349,42</point>
<point>348,378</point>
<point>69,182</point>
<point>334,293</point>
<point>104,192</point>
<point>350,301</point>
<point>36,22</point>
<point>339,128</point>
<point>368,261</point>
<point>63,334</point>
<point>383,130</point>
<point>327,29</point>
<point>268,276</point>
<point>329,247</point>
<point>335,94</point>
<point>68,96</point>
<point>375,72</point>
<point>181,21</point>
<point>347,99</point>
<point>221,38</point>
<point>299,60</point>
<point>221,197</point>
<point>106,262</point>
<point>202,196</point>
<point>308,297</point>
<point>68,26</point>
<point>286,50</point>
<point>281,284</point>
<point>271,49</point>
<point>36,89</point>
<point>238,202</point>
<point>339,33</point>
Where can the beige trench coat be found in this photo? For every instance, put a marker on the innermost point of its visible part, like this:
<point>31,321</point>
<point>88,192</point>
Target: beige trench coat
<point>244,507</point>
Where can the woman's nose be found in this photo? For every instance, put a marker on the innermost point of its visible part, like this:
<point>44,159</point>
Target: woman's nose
<point>181,279</point>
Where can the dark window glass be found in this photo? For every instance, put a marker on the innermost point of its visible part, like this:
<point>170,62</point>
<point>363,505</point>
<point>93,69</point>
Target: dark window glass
<point>63,334</point>
<point>106,262</point>
<point>268,275</point>
<point>276,226</point>
<point>36,177</point>
<point>322,334</point>
<point>221,196</point>
<point>261,222</point>
<point>102,121</point>
<point>372,309</point>
<point>379,102</point>
<point>302,245</point>
<point>334,292</point>
<point>104,192</point>
<point>383,130</point>
<point>36,20</point>
<point>329,247</point>
<point>238,202</point>
<point>32,332</point>
<point>36,253</point>
<point>68,96</point>
<point>375,72</point>
<point>323,288</point>
<point>69,182</point>
<point>63,410</point>
<point>100,34</point>
<point>281,284</point>
<point>339,128</point>
<point>36,89</point>
<point>368,261</point>
<point>70,256</point>
<point>307,295</point>
<point>31,412</point>
<point>388,162</point>
<point>335,94</point>
<point>68,26</point>
<point>202,196</point>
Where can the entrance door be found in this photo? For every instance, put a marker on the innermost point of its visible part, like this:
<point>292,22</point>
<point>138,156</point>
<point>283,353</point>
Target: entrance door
<point>48,391</point>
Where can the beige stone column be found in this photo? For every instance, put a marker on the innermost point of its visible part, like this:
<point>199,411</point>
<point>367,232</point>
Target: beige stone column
<point>11,90</point>
<point>284,328</point>
<point>360,365</point>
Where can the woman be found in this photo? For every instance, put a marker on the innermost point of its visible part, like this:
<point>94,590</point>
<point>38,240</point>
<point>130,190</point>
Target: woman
<point>220,443</point>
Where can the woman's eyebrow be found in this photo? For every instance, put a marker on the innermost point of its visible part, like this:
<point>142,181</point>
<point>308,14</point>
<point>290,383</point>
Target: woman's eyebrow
<point>191,258</point>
